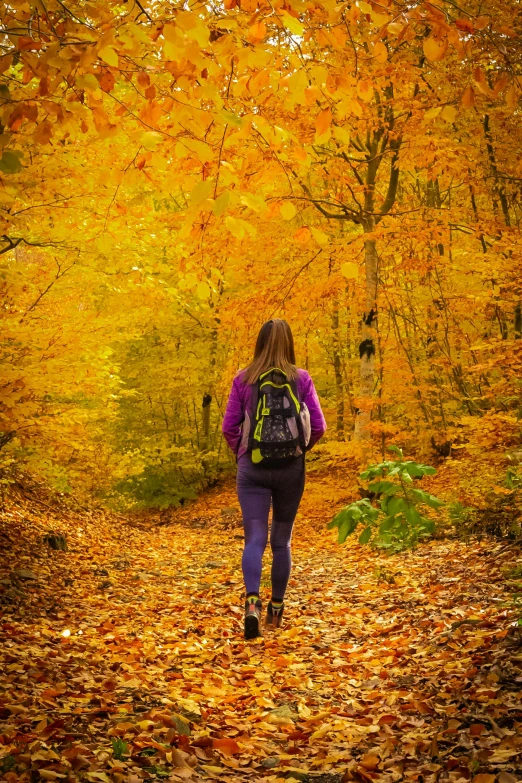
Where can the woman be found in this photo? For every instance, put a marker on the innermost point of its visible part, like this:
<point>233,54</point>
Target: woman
<point>262,480</point>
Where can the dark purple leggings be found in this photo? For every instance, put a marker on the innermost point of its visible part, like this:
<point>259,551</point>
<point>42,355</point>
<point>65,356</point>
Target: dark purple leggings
<point>257,487</point>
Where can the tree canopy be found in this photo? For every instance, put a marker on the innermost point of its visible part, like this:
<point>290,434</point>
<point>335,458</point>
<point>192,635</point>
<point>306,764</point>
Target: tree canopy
<point>175,173</point>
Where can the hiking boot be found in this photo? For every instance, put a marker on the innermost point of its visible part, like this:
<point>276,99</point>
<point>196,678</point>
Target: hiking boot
<point>252,618</point>
<point>274,617</point>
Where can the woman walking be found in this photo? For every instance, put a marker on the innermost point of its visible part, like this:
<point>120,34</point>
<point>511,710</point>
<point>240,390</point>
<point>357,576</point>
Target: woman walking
<point>273,416</point>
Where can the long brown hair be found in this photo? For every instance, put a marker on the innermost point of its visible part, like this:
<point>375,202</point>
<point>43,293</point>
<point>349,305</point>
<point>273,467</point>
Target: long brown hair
<point>274,348</point>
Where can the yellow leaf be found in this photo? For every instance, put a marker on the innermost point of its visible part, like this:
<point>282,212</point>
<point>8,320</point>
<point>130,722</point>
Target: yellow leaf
<point>320,733</point>
<point>202,151</point>
<point>323,121</point>
<point>380,19</point>
<point>380,52</point>
<point>171,52</point>
<point>287,210</point>
<point>449,113</point>
<point>350,270</point>
<point>201,192</point>
<point>150,140</point>
<point>257,203</point>
<point>203,290</point>
<point>365,7</point>
<point>180,151</point>
<point>221,203</point>
<point>341,134</point>
<point>434,48</point>
<point>109,56</point>
<point>293,24</point>
<point>355,107</point>
<point>320,237</point>
<point>238,228</point>
<point>432,113</point>
<point>395,28</point>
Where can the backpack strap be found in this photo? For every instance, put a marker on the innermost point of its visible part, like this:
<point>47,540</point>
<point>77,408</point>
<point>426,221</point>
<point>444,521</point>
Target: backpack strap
<point>252,415</point>
<point>300,430</point>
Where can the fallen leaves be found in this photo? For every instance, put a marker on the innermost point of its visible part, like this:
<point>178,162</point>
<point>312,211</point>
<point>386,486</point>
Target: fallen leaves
<point>369,680</point>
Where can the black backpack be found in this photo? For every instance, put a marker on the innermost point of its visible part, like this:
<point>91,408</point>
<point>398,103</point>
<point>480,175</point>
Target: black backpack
<point>279,424</point>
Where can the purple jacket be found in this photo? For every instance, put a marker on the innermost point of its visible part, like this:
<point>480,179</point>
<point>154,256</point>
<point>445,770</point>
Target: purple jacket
<point>240,397</point>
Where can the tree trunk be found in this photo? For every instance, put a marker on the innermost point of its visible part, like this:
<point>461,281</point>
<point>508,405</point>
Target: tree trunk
<point>205,421</point>
<point>367,344</point>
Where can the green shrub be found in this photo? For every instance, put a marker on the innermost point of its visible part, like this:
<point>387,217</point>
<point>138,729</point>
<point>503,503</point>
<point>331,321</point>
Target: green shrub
<point>399,521</point>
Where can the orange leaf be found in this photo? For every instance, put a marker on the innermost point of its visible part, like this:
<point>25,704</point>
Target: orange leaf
<point>258,31</point>
<point>435,48</point>
<point>302,234</point>
<point>226,745</point>
<point>323,121</point>
<point>468,98</point>
<point>370,761</point>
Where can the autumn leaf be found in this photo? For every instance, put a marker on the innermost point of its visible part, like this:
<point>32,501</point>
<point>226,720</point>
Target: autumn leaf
<point>435,48</point>
<point>292,24</point>
<point>287,210</point>
<point>350,270</point>
<point>109,56</point>
<point>227,746</point>
<point>323,122</point>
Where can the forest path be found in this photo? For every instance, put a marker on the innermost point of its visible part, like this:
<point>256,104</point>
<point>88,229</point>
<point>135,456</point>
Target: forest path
<point>385,669</point>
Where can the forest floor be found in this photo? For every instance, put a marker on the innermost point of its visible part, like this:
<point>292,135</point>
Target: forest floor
<point>123,659</point>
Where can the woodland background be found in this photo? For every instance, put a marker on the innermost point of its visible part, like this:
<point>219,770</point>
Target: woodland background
<point>174,174</point>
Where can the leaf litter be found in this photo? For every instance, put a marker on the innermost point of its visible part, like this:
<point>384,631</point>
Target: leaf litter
<point>122,659</point>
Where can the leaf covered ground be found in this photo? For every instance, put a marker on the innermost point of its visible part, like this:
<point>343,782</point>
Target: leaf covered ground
<point>123,660</point>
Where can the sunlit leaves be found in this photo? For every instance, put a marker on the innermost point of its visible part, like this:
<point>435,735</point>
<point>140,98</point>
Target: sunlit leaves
<point>292,24</point>
<point>109,56</point>
<point>287,210</point>
<point>323,122</point>
<point>350,270</point>
<point>435,48</point>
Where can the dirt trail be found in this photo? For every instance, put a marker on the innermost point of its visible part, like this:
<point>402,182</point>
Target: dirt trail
<point>123,658</point>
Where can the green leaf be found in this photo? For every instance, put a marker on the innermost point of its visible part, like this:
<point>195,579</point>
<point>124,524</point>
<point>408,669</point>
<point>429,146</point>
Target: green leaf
<point>182,726</point>
<point>413,469</point>
<point>386,525</point>
<point>412,515</point>
<point>394,505</point>
<point>365,535</point>
<point>419,495</point>
<point>346,529</point>
<point>231,119</point>
<point>338,519</point>
<point>10,162</point>
<point>434,502</point>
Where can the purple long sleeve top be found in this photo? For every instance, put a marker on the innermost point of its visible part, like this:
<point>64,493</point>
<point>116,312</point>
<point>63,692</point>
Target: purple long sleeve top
<point>239,400</point>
